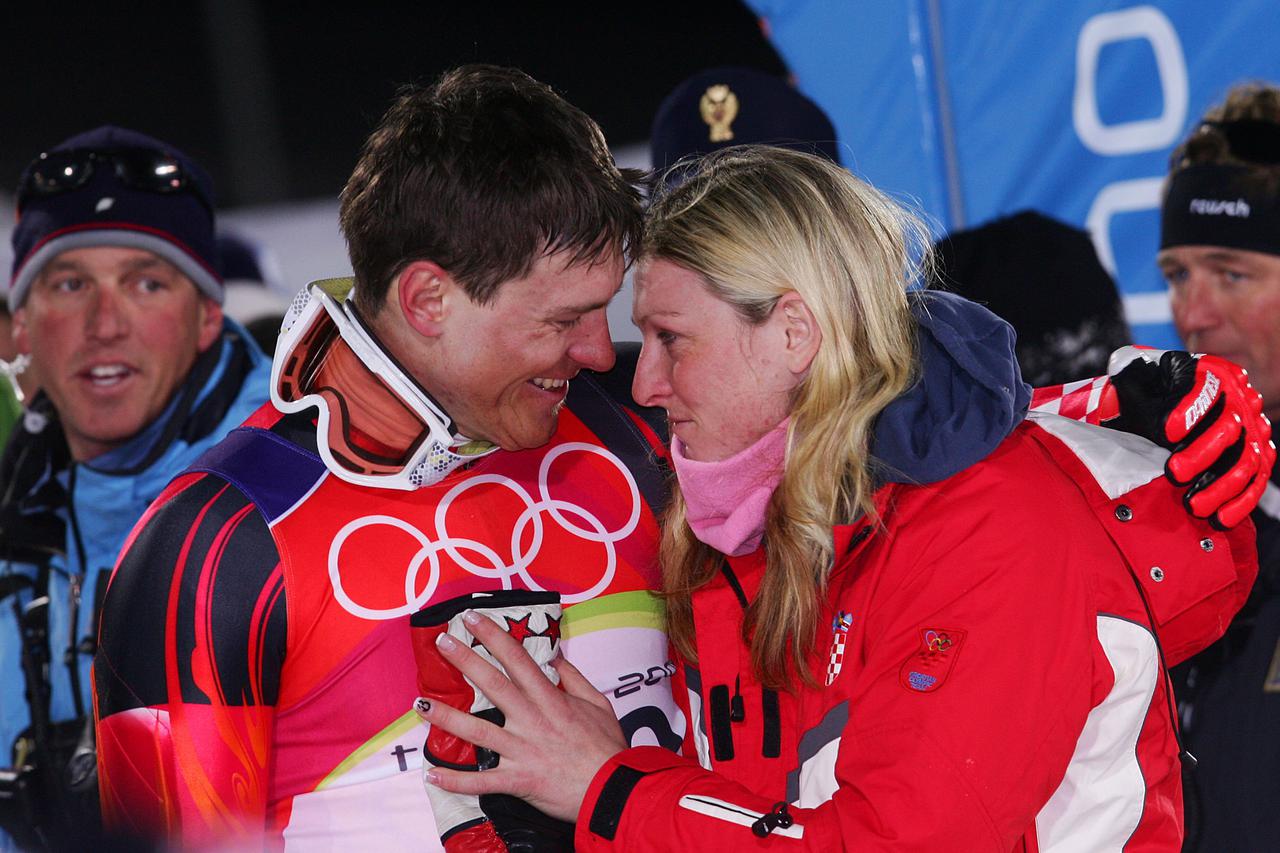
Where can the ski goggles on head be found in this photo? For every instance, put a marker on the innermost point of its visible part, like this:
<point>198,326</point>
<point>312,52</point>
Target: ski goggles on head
<point>321,330</point>
<point>1253,140</point>
<point>55,172</point>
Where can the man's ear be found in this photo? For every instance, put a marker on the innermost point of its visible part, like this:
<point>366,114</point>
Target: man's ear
<point>800,327</point>
<point>19,331</point>
<point>424,292</point>
<point>210,323</point>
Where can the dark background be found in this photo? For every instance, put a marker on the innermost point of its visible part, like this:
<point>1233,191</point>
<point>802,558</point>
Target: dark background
<point>275,98</point>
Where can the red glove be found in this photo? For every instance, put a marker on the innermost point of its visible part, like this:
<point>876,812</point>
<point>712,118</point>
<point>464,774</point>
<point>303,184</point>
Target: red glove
<point>490,823</point>
<point>1203,408</point>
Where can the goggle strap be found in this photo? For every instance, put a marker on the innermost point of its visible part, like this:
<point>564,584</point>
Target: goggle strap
<point>349,309</point>
<point>1253,140</point>
<point>441,451</point>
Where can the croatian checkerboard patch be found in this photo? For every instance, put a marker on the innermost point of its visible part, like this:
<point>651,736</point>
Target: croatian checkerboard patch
<point>840,625</point>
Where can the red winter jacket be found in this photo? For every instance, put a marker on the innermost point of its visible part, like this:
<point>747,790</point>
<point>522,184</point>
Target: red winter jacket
<point>987,673</point>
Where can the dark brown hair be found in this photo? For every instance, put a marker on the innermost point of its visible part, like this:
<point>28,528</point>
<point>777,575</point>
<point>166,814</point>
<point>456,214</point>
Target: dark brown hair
<point>483,173</point>
<point>1208,144</point>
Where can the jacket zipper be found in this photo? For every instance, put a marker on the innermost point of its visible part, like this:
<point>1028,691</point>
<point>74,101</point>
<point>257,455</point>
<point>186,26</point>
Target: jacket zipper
<point>75,582</point>
<point>771,737</point>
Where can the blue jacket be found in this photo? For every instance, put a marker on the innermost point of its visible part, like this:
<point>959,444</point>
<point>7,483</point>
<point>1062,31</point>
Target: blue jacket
<point>88,509</point>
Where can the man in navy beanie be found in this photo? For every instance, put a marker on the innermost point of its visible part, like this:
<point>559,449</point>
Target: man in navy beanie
<point>116,297</point>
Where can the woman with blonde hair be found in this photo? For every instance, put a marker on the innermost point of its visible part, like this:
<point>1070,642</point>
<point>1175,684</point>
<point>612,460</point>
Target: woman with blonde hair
<point>904,616</point>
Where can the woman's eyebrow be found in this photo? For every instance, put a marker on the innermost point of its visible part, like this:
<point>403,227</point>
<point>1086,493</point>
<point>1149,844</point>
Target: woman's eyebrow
<point>670,312</point>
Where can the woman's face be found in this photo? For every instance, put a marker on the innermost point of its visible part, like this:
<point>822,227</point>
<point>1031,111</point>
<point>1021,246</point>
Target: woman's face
<point>723,382</point>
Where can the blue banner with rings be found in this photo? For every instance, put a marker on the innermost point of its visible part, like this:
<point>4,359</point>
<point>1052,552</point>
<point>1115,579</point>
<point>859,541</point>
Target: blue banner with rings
<point>975,109</point>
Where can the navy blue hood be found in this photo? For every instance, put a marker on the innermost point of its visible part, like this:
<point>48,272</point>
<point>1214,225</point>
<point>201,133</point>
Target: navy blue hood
<point>968,398</point>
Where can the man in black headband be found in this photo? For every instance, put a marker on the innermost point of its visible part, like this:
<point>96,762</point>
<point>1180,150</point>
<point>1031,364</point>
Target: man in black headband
<point>1220,253</point>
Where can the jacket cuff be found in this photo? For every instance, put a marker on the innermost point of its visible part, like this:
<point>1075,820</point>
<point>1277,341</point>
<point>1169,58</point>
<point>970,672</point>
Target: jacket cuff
<point>601,812</point>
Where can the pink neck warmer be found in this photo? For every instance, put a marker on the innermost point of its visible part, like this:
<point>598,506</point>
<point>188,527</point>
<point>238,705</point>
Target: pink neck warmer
<point>727,500</point>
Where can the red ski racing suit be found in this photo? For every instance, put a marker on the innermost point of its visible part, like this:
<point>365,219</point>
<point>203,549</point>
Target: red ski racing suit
<point>256,675</point>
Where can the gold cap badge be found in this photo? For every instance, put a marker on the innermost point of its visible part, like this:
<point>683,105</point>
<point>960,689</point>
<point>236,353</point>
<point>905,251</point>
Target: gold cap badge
<point>719,107</point>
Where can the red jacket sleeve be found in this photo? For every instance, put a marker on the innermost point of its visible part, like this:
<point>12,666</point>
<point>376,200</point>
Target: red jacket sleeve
<point>1193,577</point>
<point>186,677</point>
<point>1194,582</point>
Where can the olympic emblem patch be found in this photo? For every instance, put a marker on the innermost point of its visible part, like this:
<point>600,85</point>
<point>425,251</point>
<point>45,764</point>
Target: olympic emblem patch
<point>928,667</point>
<point>840,625</point>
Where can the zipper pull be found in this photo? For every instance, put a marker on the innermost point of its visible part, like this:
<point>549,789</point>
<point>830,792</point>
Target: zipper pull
<point>73,582</point>
<point>737,708</point>
<point>779,818</point>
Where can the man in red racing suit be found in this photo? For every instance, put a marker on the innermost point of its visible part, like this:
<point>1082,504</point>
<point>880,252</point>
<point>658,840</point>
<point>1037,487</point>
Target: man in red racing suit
<point>288,710</point>
<point>445,425</point>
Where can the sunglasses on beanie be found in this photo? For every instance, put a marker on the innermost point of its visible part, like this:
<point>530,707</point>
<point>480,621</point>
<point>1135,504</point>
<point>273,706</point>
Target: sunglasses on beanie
<point>55,172</point>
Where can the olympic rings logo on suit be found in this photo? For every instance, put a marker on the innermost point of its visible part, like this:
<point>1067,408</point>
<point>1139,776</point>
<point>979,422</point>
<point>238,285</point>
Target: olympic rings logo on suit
<point>496,569</point>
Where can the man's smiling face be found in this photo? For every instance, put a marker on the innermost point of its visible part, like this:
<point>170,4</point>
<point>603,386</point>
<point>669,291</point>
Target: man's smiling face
<point>505,366</point>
